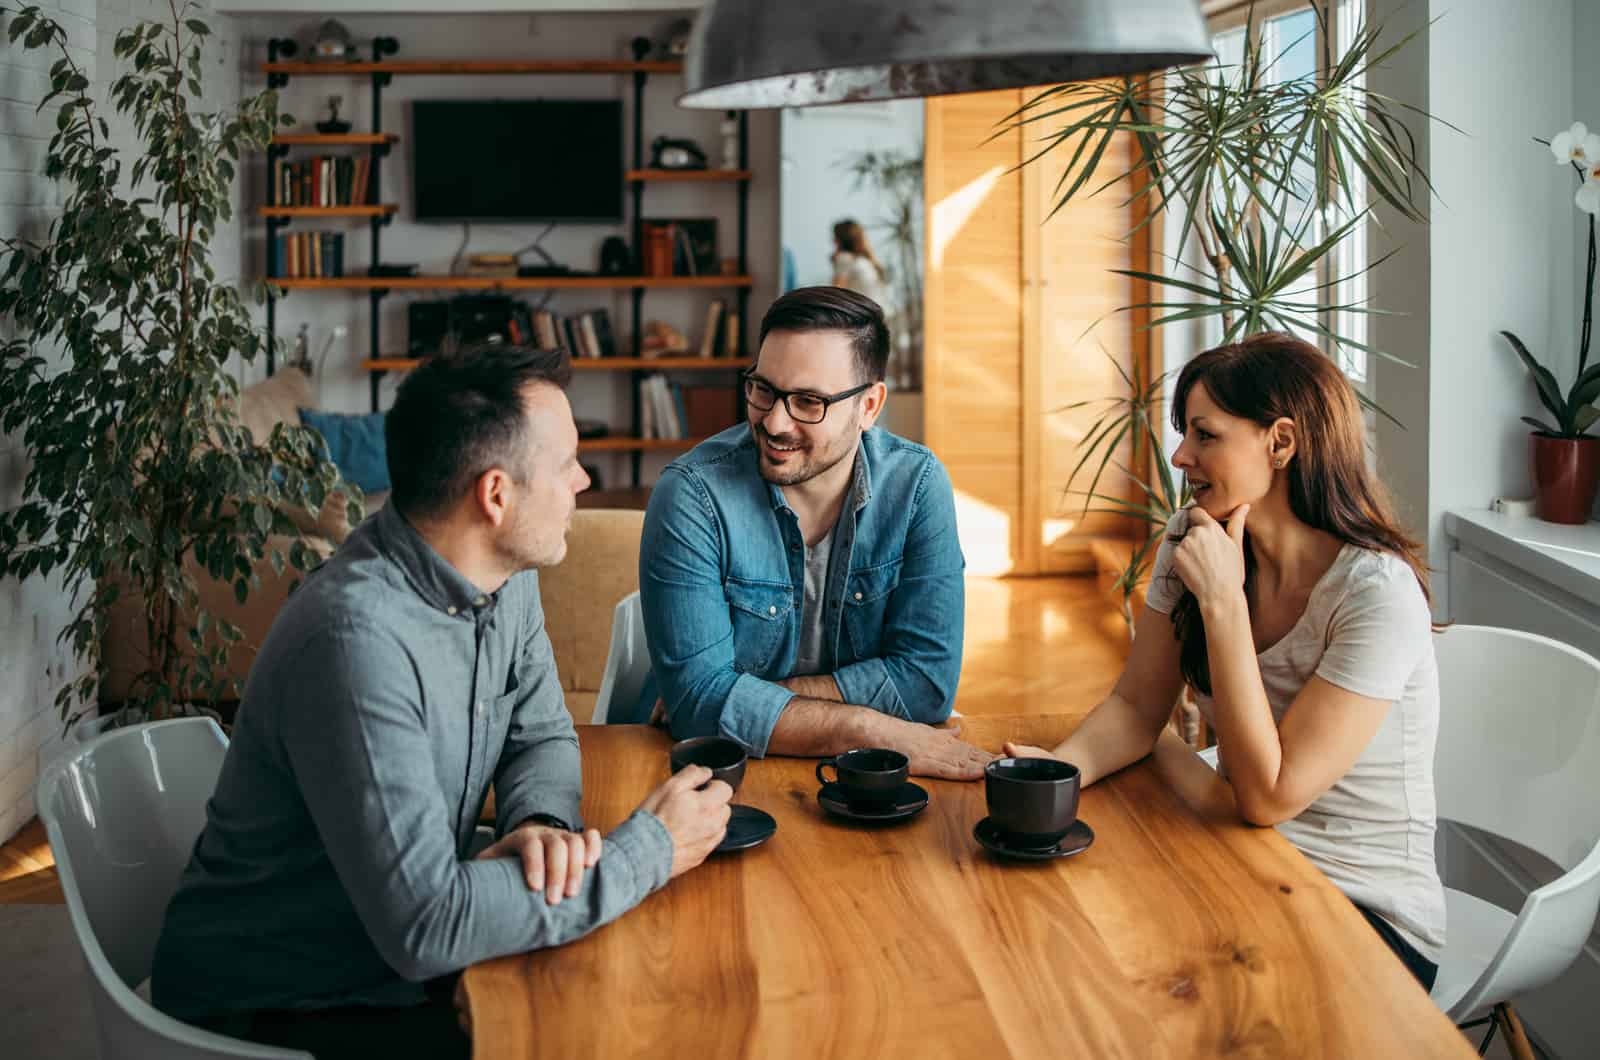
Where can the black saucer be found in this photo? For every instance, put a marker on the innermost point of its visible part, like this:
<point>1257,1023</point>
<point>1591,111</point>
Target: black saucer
<point>1076,841</point>
<point>909,801</point>
<point>747,827</point>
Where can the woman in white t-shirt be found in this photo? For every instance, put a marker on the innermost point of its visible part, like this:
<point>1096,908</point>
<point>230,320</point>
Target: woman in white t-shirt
<point>856,267</point>
<point>1290,599</point>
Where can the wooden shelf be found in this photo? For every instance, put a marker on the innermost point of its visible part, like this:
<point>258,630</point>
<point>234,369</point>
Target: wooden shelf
<point>618,444</point>
<point>689,176</point>
<point>474,66</point>
<point>662,364</point>
<point>598,364</point>
<point>334,139</point>
<point>481,283</point>
<point>328,211</point>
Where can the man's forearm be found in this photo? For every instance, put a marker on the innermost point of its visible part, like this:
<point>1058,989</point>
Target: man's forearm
<point>814,727</point>
<point>816,686</point>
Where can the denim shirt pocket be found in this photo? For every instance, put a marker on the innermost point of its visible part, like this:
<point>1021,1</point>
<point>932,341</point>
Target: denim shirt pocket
<point>866,598</point>
<point>759,612</point>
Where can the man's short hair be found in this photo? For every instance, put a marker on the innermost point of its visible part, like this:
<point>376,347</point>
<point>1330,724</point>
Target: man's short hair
<point>836,309</point>
<point>458,415</point>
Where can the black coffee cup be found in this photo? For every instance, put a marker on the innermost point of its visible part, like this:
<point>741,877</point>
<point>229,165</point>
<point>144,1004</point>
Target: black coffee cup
<point>869,776</point>
<point>719,754</point>
<point>1033,801</point>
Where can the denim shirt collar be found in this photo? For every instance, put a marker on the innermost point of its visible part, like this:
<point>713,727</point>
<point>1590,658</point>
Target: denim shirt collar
<point>439,584</point>
<point>860,484</point>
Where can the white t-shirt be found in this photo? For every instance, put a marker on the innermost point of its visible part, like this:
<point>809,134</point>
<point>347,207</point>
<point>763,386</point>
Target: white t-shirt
<point>1366,629</point>
<point>861,276</point>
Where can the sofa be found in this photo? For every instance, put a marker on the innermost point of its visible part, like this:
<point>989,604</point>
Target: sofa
<point>601,567</point>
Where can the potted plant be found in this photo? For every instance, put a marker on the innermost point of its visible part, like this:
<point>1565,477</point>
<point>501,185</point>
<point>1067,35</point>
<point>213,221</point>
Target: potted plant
<point>118,375</point>
<point>1566,458</point>
<point>1268,177</point>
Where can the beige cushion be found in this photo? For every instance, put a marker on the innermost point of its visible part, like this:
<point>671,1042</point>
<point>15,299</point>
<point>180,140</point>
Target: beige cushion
<point>126,648</point>
<point>276,399</point>
<point>580,594</point>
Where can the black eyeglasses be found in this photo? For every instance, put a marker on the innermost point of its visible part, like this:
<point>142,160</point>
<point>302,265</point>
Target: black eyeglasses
<point>803,405</point>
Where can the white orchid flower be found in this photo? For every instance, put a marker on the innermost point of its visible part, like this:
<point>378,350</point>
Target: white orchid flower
<point>1588,194</point>
<point>1577,145</point>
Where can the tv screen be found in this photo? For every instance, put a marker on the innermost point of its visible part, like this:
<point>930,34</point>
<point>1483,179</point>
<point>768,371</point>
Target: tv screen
<point>534,160</point>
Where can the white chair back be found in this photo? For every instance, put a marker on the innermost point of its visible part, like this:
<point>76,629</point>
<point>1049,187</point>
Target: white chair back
<point>122,813</point>
<point>627,662</point>
<point>1519,757</point>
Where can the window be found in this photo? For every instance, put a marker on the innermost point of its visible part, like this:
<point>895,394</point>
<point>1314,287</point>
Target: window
<point>1291,49</point>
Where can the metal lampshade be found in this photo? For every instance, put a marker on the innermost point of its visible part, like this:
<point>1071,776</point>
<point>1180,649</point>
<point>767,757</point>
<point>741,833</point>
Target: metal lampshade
<point>797,53</point>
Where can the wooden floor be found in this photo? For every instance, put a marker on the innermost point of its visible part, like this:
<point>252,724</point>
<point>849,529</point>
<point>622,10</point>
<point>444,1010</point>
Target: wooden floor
<point>1033,645</point>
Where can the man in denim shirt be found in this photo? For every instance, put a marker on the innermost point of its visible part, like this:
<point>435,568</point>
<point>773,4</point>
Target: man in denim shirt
<point>335,874</point>
<point>800,575</point>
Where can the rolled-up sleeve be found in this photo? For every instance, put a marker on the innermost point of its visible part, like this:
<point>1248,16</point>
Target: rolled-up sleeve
<point>915,674</point>
<point>356,741</point>
<point>540,770</point>
<point>687,623</point>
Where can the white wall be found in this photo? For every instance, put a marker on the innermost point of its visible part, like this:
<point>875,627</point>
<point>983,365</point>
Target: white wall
<point>33,666</point>
<point>343,386</point>
<point>1501,242</point>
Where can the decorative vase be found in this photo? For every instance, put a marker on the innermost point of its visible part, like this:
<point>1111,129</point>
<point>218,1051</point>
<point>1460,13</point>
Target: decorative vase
<point>1564,477</point>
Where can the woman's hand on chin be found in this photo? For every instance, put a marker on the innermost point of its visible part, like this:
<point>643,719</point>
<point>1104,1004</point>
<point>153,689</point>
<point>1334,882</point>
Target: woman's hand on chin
<point>1210,559</point>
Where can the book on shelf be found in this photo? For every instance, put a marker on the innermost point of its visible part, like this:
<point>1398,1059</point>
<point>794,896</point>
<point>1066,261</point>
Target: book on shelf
<point>708,338</point>
<point>709,409</point>
<point>599,339</point>
<point>661,412</point>
<point>657,237</point>
<point>730,334</point>
<point>325,180</point>
<point>306,255</point>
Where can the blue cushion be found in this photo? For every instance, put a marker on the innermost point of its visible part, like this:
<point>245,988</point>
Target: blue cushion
<point>355,445</point>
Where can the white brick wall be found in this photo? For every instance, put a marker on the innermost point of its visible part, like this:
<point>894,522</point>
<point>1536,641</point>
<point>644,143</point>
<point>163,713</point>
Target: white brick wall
<point>32,665</point>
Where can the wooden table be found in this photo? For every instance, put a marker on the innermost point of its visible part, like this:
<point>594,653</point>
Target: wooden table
<point>1172,936</point>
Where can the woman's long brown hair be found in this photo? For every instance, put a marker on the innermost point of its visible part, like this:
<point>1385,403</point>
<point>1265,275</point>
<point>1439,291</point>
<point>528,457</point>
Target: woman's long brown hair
<point>852,237</point>
<point>1271,376</point>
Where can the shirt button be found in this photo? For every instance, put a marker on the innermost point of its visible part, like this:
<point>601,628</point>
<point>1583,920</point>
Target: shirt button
<point>858,596</point>
<point>772,610</point>
<point>449,610</point>
<point>480,706</point>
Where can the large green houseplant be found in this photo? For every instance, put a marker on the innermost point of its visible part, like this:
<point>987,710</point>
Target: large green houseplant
<point>115,371</point>
<point>1267,177</point>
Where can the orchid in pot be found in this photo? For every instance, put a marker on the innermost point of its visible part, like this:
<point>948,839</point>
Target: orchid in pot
<point>1566,458</point>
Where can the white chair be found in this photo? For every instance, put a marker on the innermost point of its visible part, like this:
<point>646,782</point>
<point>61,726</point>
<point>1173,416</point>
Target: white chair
<point>123,812</point>
<point>1518,757</point>
<point>627,661</point>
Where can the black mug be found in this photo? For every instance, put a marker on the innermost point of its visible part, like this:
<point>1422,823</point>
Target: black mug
<point>868,776</point>
<point>722,756</point>
<point>1033,801</point>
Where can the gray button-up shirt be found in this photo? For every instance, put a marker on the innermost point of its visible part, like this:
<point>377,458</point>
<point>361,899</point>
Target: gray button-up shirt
<point>388,695</point>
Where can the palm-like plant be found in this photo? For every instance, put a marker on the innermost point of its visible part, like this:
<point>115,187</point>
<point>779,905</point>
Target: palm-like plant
<point>1134,418</point>
<point>1267,177</point>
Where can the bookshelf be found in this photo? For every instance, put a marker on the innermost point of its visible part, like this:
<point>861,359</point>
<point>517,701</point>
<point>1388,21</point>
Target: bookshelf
<point>328,211</point>
<point>510,283</point>
<point>380,72</point>
<point>598,364</point>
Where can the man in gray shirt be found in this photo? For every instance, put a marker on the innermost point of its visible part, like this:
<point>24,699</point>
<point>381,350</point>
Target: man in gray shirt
<point>334,876</point>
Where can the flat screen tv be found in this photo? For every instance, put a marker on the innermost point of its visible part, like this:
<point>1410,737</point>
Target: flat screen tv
<point>517,159</point>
